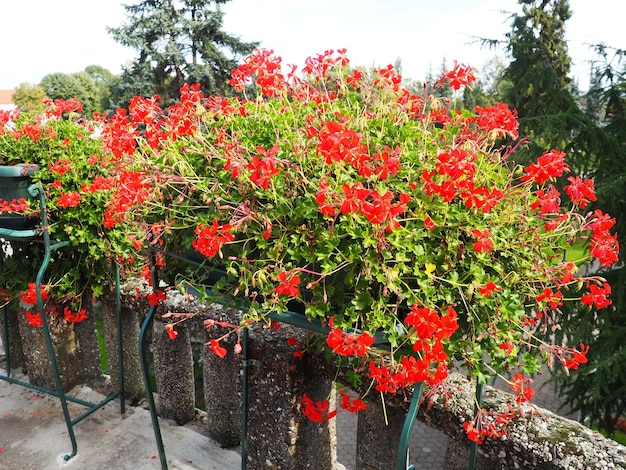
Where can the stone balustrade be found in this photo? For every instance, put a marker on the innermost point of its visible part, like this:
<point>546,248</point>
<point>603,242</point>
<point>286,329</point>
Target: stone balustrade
<point>278,435</point>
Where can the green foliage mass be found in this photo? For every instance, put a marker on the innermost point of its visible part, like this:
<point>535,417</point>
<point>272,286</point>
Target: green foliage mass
<point>76,85</point>
<point>29,98</point>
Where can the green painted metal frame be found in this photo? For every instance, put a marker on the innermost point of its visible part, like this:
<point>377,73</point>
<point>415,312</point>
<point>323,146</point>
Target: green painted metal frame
<point>40,234</point>
<point>144,359</point>
<point>291,318</point>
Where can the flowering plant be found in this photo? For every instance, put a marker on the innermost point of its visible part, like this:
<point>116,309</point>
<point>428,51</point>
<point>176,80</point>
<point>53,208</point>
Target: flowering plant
<point>76,175</point>
<point>372,209</point>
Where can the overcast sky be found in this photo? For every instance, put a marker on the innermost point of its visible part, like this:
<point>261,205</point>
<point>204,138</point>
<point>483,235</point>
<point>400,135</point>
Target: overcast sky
<point>39,37</point>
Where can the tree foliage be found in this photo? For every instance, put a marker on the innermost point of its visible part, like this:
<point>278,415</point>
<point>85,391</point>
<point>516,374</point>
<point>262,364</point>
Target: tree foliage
<point>178,42</point>
<point>548,111</point>
<point>76,85</point>
<point>105,81</point>
<point>30,98</point>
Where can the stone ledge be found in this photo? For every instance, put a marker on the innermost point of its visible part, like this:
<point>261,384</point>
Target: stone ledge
<point>540,440</point>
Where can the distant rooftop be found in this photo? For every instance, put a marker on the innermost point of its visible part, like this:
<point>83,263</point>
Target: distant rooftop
<point>6,100</point>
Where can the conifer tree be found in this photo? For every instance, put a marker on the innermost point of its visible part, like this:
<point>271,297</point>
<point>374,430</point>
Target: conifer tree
<point>178,42</point>
<point>548,111</point>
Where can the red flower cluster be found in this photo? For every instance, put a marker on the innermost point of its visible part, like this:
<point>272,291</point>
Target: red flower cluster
<point>429,331</point>
<point>429,324</point>
<point>70,199</point>
<point>548,201</point>
<point>353,405</point>
<point>597,295</point>
<point>60,167</point>
<point>216,348</point>
<point>34,132</point>
<point>320,65</point>
<point>29,296</point>
<point>487,424</point>
<point>33,319</point>
<point>171,332</point>
<point>549,166</point>
<point>130,189</point>
<point>499,120</point>
<point>288,284</point>
<point>7,117</point>
<point>520,385</point>
<point>348,344</point>
<point>460,75</point>
<point>15,205</point>
<point>318,411</point>
<point>570,358</point>
<point>483,243</point>
<point>454,176</point>
<point>266,67</point>
<point>603,246</point>
<point>56,108</point>
<point>211,238</point>
<point>75,317</point>
<point>264,168</point>
<point>554,299</point>
<point>155,298</point>
<point>580,191</point>
<point>488,289</point>
<point>338,143</point>
<point>377,208</point>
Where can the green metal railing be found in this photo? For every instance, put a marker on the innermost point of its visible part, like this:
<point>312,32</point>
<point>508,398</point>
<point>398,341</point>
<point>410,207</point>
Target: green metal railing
<point>40,234</point>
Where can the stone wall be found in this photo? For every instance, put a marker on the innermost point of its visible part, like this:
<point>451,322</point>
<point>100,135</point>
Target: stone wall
<point>277,382</point>
<point>541,440</point>
<point>280,437</point>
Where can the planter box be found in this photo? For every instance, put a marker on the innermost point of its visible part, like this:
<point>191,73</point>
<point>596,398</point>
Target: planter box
<point>14,183</point>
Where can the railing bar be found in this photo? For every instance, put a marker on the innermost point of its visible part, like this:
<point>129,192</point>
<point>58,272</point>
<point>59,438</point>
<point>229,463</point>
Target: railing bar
<point>474,445</point>
<point>403,448</point>
<point>143,357</point>
<point>244,400</point>
<point>120,346</point>
<point>93,407</point>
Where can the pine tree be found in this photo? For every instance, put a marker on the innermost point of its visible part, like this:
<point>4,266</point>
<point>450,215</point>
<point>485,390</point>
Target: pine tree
<point>178,41</point>
<point>549,113</point>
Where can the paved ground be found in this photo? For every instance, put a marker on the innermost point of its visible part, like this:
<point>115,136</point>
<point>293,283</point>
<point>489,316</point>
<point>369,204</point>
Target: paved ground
<point>33,436</point>
<point>427,450</point>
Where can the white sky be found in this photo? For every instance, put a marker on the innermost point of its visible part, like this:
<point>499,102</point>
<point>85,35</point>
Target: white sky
<point>39,37</point>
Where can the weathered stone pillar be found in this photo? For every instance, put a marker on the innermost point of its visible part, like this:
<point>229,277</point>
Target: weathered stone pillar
<point>222,380</point>
<point>458,453</point>
<point>173,368</point>
<point>378,435</point>
<point>15,340</point>
<point>279,435</point>
<point>77,358</point>
<point>86,337</point>
<point>134,388</point>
